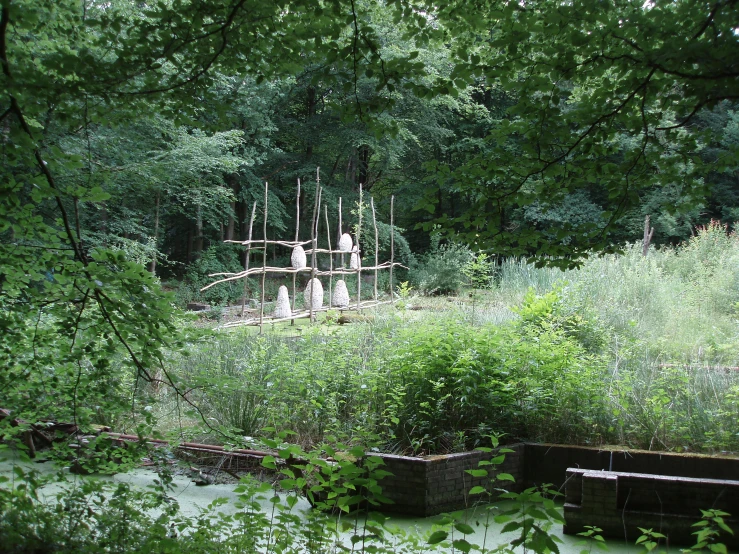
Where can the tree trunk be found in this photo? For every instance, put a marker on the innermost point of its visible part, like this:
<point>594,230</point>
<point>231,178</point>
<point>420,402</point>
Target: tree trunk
<point>648,234</point>
<point>153,265</point>
<point>198,238</point>
<point>189,243</point>
<point>311,106</point>
<point>363,163</point>
<point>333,170</point>
<point>231,222</point>
<point>353,172</point>
<point>103,217</point>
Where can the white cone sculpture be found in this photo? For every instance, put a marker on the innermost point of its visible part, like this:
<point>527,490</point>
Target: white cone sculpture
<point>340,299</point>
<point>283,304</point>
<point>345,243</point>
<point>313,295</point>
<point>298,259</point>
<point>354,261</point>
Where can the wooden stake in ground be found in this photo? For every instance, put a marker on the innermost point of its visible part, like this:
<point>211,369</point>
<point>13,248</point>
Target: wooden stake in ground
<point>359,255</point>
<point>297,238</point>
<point>314,240</point>
<point>392,246</point>
<point>341,232</point>
<point>264,260</point>
<point>246,261</point>
<point>377,245</point>
<point>330,259</point>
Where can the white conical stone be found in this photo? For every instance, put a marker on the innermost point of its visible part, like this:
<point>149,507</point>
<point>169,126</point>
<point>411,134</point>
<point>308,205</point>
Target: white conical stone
<point>340,299</point>
<point>313,295</point>
<point>354,261</point>
<point>298,259</point>
<point>345,243</point>
<point>283,304</point>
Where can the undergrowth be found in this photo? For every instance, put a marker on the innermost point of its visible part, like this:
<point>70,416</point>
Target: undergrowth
<point>629,350</point>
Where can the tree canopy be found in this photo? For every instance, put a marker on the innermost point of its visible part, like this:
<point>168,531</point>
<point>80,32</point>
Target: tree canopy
<point>606,118</point>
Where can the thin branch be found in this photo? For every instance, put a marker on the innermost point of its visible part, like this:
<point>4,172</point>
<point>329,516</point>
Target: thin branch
<point>707,22</point>
<point>696,109</point>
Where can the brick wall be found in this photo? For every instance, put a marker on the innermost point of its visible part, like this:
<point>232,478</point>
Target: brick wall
<point>437,484</point>
<point>659,490</point>
<point>620,503</point>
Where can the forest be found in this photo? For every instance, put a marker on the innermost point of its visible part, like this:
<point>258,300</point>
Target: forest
<point>565,184</point>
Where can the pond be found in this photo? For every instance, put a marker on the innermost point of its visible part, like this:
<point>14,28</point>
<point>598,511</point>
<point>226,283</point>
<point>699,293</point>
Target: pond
<point>194,500</point>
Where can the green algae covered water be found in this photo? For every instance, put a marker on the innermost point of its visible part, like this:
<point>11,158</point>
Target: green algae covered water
<point>194,501</point>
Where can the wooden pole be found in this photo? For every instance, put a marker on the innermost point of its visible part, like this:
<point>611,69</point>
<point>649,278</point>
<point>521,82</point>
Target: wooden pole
<point>359,256</point>
<point>377,245</point>
<point>392,246</point>
<point>314,242</point>
<point>297,238</point>
<point>264,260</point>
<point>341,232</point>
<point>282,270</point>
<point>246,261</point>
<point>330,259</point>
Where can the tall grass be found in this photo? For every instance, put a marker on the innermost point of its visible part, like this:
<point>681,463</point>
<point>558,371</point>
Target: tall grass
<point>681,303</point>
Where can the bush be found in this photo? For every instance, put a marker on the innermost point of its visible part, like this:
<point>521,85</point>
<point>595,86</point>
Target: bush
<point>218,258</point>
<point>556,310</point>
<point>479,271</point>
<point>440,271</point>
<point>538,385</point>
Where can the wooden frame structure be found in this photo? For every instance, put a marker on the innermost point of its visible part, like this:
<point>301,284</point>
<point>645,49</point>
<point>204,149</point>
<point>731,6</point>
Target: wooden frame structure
<point>312,267</point>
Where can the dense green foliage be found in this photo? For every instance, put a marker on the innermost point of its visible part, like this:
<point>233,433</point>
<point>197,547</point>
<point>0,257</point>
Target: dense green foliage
<point>135,137</point>
<point>626,350</point>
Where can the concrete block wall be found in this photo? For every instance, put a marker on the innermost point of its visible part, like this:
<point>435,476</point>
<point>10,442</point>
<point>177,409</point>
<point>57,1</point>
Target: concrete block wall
<point>437,484</point>
<point>620,503</point>
<point>645,489</point>
<point>547,463</point>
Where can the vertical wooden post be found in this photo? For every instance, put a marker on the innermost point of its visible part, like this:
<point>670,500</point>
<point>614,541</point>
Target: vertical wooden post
<point>314,242</point>
<point>330,259</point>
<point>359,255</point>
<point>264,260</point>
<point>246,261</point>
<point>377,245</point>
<point>341,232</point>
<point>392,246</point>
<point>297,238</point>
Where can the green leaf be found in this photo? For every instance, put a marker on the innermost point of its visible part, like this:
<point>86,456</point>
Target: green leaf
<point>464,528</point>
<point>511,526</point>
<point>437,536</point>
<point>462,545</point>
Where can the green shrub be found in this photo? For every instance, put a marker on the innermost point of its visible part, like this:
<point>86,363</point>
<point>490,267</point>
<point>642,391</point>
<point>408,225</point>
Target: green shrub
<point>538,385</point>
<point>440,271</point>
<point>479,271</point>
<point>559,310</point>
<point>218,258</point>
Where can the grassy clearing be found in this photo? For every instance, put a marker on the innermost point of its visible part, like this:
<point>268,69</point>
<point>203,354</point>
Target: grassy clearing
<point>627,349</point>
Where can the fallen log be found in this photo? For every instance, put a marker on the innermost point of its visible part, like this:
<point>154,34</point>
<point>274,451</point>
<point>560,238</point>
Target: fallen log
<point>196,447</point>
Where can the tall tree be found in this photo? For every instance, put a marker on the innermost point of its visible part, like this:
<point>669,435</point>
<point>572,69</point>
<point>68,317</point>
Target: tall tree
<point>608,95</point>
